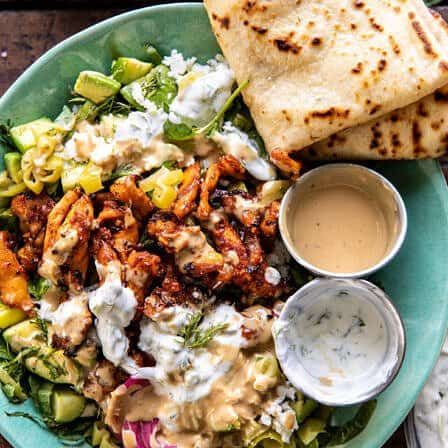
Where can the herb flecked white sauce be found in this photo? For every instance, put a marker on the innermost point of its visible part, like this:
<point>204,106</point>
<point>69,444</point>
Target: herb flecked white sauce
<point>338,339</point>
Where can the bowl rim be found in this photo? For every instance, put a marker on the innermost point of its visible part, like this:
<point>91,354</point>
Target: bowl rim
<point>85,33</point>
<point>382,302</point>
<point>386,259</point>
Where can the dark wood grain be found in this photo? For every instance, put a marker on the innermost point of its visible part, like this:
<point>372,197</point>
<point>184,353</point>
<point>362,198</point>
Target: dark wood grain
<point>26,33</point>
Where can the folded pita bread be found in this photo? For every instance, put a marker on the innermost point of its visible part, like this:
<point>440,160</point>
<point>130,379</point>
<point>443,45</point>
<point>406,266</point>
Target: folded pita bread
<point>318,67</point>
<point>417,131</point>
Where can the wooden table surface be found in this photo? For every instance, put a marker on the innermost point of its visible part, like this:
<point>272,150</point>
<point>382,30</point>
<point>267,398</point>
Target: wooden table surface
<point>26,33</point>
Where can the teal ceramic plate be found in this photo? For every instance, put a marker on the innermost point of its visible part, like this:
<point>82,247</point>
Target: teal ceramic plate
<point>417,279</point>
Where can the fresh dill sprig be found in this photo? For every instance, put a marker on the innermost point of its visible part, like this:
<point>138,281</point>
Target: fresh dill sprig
<point>42,324</point>
<point>196,337</point>
<point>5,136</point>
<point>113,106</point>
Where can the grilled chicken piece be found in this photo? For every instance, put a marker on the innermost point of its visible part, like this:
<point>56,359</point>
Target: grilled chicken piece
<point>245,261</point>
<point>193,254</point>
<point>118,227</point>
<point>127,191</point>
<point>32,212</point>
<point>286,163</point>
<point>70,331</point>
<point>13,279</point>
<point>101,381</point>
<point>188,191</point>
<point>141,268</point>
<point>226,166</point>
<point>269,222</point>
<point>65,256</point>
<point>115,240</point>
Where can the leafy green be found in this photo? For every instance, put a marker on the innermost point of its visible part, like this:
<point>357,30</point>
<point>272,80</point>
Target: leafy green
<point>8,221</point>
<point>12,376</point>
<point>194,336</point>
<point>160,88</point>
<point>181,132</point>
<point>5,353</point>
<point>338,435</point>
<point>300,275</point>
<point>38,286</point>
<point>6,141</point>
<point>122,171</point>
<point>152,54</point>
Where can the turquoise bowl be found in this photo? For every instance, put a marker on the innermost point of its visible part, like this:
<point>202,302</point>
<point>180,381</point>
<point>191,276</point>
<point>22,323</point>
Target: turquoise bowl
<point>416,280</point>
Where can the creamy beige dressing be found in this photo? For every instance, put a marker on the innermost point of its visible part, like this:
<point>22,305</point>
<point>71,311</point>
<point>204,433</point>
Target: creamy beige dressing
<point>235,397</point>
<point>58,254</point>
<point>340,228</point>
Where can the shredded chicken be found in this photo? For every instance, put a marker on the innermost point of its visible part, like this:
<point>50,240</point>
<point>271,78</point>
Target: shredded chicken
<point>32,212</point>
<point>13,279</point>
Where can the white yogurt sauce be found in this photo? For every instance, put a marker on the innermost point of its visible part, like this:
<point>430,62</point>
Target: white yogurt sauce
<point>200,367</point>
<point>114,307</point>
<point>431,408</point>
<point>335,343</point>
<point>202,93</point>
<point>237,143</point>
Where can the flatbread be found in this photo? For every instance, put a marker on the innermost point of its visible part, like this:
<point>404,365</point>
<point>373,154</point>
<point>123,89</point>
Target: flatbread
<point>418,131</point>
<point>318,67</point>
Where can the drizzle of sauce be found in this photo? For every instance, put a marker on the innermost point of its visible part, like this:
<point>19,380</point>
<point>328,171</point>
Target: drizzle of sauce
<point>340,228</point>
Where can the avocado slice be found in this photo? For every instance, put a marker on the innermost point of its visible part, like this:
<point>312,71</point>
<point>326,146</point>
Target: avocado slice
<point>99,433</point>
<point>13,166</point>
<point>126,70</point>
<point>95,86</point>
<point>10,316</point>
<point>67,405</point>
<point>24,136</point>
<point>48,363</point>
<point>24,335</point>
<point>106,442</point>
<point>54,366</point>
<point>310,430</point>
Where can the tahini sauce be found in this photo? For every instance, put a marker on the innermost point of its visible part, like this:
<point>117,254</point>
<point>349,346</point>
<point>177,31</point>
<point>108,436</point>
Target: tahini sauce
<point>340,228</point>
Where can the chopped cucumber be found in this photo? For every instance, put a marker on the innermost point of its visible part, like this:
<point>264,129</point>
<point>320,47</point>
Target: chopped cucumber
<point>304,408</point>
<point>126,70</point>
<point>13,166</point>
<point>310,430</point>
<point>25,135</point>
<point>44,398</point>
<point>95,86</point>
<point>67,405</point>
<point>10,316</point>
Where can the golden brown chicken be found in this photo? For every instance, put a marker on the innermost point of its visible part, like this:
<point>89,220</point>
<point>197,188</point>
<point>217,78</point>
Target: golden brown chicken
<point>193,254</point>
<point>32,212</point>
<point>188,191</point>
<point>13,279</point>
<point>127,191</point>
<point>226,166</point>
<point>65,257</point>
<point>286,163</point>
